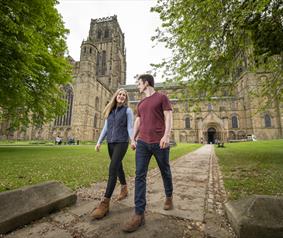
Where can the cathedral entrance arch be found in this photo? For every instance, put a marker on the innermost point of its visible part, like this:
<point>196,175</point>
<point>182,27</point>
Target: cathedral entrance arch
<point>213,131</point>
<point>211,135</point>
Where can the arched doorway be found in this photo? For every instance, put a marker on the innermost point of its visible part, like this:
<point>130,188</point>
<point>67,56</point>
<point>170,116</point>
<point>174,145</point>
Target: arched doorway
<point>211,135</point>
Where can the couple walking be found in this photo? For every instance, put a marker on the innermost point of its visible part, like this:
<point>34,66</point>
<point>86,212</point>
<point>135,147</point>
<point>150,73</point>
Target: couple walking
<point>150,136</point>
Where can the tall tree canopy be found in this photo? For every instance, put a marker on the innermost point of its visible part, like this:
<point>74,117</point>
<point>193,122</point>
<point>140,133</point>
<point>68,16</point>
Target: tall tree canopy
<point>32,62</point>
<point>213,40</point>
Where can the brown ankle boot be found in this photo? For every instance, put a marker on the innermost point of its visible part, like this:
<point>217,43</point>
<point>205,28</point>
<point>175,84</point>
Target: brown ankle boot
<point>168,205</point>
<point>124,192</point>
<point>101,210</point>
<point>135,222</point>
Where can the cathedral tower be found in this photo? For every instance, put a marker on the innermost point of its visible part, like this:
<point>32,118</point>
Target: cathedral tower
<point>107,35</point>
<point>100,71</point>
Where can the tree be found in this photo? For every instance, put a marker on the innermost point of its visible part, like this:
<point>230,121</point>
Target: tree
<point>212,41</point>
<point>32,62</point>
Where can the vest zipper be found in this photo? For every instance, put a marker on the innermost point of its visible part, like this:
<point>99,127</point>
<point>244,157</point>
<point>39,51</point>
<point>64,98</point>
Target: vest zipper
<point>114,123</point>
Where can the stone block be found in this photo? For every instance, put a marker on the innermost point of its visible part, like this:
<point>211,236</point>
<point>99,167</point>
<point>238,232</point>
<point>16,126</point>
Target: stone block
<point>21,206</point>
<point>257,216</point>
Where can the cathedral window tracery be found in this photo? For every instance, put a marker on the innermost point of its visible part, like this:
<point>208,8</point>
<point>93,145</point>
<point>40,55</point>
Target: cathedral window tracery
<point>187,123</point>
<point>235,122</point>
<point>267,120</point>
<point>66,119</point>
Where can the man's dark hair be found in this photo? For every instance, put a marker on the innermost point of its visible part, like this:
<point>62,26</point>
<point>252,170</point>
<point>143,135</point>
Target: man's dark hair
<point>147,77</point>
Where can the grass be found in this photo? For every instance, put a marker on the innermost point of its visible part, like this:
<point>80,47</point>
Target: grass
<point>37,142</point>
<point>75,166</point>
<point>252,168</point>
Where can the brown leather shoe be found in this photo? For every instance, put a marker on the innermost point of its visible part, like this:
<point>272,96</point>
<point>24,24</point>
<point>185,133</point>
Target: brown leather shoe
<point>168,205</point>
<point>135,222</point>
<point>124,192</point>
<point>101,210</point>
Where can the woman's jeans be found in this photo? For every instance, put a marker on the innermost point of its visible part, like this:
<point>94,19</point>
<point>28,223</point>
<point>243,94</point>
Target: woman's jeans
<point>116,152</point>
<point>144,151</point>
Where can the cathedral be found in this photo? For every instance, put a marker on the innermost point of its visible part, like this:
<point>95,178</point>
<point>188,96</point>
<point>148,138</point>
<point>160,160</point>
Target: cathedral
<point>102,69</point>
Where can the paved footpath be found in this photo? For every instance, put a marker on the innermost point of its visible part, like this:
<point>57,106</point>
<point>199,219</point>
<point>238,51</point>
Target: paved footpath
<point>198,198</point>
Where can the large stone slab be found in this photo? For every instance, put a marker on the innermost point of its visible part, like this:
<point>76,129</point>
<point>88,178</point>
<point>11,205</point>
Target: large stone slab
<point>21,206</point>
<point>256,216</point>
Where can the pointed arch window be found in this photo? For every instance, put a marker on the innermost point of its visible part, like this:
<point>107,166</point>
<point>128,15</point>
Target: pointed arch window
<point>95,121</point>
<point>187,123</point>
<point>235,123</point>
<point>98,63</point>
<point>99,34</point>
<point>103,71</point>
<point>97,103</point>
<point>267,120</point>
<point>65,120</point>
<point>106,33</point>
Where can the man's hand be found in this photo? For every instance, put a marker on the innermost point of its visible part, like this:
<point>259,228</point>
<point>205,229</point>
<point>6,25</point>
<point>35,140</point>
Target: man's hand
<point>97,147</point>
<point>164,142</point>
<point>133,144</point>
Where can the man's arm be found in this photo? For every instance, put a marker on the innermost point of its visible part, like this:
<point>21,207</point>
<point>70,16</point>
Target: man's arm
<point>136,132</point>
<point>168,116</point>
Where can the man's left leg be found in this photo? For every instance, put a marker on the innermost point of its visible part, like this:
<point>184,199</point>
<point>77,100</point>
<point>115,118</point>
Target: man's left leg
<point>162,158</point>
<point>143,156</point>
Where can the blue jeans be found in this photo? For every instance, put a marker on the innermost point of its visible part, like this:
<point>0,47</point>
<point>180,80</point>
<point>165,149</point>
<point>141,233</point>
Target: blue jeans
<point>144,151</point>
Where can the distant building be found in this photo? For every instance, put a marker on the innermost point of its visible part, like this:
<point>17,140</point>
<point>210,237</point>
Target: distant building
<point>102,69</point>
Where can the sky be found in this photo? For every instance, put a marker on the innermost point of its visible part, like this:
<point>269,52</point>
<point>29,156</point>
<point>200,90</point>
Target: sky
<point>136,21</point>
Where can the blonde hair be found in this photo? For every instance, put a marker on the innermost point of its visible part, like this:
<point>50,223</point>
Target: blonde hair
<point>112,104</point>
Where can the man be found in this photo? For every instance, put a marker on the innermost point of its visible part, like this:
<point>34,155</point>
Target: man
<point>58,140</point>
<point>151,135</point>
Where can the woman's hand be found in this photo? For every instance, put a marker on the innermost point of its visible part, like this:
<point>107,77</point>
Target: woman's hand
<point>97,147</point>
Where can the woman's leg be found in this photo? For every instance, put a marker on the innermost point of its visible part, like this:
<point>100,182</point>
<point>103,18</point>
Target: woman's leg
<point>118,151</point>
<point>121,173</point>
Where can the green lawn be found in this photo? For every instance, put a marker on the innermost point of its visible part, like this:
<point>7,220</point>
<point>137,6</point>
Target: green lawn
<point>252,168</point>
<point>75,166</point>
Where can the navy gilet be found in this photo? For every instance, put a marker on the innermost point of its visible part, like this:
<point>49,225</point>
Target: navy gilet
<point>117,125</point>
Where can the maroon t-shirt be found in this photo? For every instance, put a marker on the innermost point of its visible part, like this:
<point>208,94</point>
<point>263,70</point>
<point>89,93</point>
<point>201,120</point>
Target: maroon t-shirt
<point>152,122</point>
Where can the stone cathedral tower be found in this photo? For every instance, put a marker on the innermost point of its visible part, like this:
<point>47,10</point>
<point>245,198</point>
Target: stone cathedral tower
<point>107,35</point>
<point>100,71</point>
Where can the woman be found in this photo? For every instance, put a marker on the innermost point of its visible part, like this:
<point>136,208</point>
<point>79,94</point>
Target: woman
<point>118,129</point>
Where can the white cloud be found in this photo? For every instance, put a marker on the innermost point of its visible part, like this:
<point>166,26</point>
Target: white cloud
<point>135,19</point>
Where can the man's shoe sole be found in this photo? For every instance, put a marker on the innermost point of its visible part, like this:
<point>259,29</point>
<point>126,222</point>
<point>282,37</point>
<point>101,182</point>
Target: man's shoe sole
<point>168,209</point>
<point>132,230</point>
